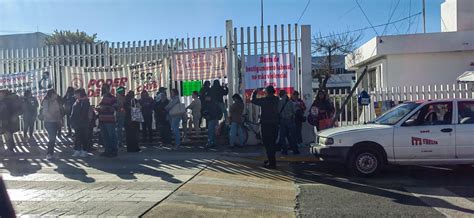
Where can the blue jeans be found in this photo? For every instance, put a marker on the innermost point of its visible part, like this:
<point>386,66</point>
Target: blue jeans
<point>120,125</point>
<point>52,129</point>
<point>175,128</point>
<point>287,131</point>
<point>109,137</point>
<point>235,130</point>
<point>211,131</point>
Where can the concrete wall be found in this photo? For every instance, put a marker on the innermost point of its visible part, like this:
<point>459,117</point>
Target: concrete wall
<point>425,68</point>
<point>457,15</point>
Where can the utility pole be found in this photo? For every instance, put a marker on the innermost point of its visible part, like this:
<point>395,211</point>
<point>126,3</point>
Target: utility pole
<point>261,13</point>
<point>424,16</point>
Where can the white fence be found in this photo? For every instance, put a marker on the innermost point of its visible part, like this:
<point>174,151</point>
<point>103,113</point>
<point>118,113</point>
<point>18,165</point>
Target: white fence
<point>383,99</point>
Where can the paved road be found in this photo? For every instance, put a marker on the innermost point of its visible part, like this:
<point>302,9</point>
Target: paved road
<point>325,190</point>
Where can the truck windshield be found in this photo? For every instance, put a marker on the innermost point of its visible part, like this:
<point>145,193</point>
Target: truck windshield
<point>394,115</point>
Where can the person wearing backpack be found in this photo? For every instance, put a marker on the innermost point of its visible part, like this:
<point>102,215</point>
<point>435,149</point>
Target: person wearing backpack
<point>79,114</point>
<point>269,120</point>
<point>176,111</point>
<point>120,114</point>
<point>287,111</point>
<point>30,112</point>
<point>52,114</point>
<point>213,114</point>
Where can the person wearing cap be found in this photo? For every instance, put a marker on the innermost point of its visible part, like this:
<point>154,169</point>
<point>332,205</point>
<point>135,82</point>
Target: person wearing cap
<point>120,114</point>
<point>286,110</point>
<point>269,120</point>
<point>299,117</point>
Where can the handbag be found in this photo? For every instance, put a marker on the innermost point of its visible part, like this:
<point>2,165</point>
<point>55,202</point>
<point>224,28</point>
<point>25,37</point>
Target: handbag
<point>177,110</point>
<point>325,124</point>
<point>136,113</point>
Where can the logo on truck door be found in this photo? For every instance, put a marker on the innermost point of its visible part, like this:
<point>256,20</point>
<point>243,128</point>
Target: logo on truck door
<point>415,141</point>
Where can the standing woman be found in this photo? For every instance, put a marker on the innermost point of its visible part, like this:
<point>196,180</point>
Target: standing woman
<point>52,113</point>
<point>175,118</point>
<point>69,101</point>
<point>323,110</point>
<point>79,121</point>
<point>299,117</point>
<point>30,112</point>
<point>236,120</point>
<point>132,128</point>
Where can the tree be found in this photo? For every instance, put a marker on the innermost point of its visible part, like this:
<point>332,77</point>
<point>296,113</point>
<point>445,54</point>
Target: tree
<point>328,47</point>
<point>66,37</point>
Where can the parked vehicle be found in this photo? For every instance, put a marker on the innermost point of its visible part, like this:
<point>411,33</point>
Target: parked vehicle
<point>437,132</point>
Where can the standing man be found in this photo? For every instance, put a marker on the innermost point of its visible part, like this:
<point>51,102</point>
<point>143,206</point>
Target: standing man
<point>106,111</point>
<point>120,115</point>
<point>217,93</point>
<point>30,112</point>
<point>286,109</point>
<point>10,109</point>
<point>161,116</point>
<point>268,122</point>
<point>147,103</point>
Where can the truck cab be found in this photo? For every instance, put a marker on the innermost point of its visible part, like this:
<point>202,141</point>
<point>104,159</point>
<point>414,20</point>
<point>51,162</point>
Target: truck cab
<point>435,132</point>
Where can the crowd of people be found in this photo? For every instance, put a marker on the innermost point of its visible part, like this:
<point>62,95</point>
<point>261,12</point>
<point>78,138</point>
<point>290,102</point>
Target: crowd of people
<point>121,115</point>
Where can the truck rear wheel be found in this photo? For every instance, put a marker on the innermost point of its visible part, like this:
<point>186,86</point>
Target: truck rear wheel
<point>365,162</point>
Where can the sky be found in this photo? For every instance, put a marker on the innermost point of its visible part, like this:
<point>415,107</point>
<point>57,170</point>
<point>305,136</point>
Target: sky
<point>133,20</point>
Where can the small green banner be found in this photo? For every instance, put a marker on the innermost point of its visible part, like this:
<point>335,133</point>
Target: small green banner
<point>190,86</point>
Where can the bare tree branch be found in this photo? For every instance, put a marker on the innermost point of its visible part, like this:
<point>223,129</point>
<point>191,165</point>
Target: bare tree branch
<point>329,46</point>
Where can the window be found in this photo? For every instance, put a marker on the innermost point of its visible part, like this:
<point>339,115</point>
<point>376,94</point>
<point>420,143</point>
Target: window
<point>466,112</point>
<point>432,114</point>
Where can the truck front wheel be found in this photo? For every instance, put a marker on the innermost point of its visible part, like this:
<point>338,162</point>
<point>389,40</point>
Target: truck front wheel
<point>365,162</point>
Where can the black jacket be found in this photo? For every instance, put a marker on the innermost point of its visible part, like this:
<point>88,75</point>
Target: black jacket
<point>160,111</point>
<point>269,108</point>
<point>217,93</point>
<point>212,111</point>
<point>80,114</point>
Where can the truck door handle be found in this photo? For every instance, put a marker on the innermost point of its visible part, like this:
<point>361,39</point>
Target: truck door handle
<point>447,130</point>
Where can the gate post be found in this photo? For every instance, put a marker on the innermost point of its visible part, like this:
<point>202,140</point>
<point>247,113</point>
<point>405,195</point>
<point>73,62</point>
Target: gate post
<point>307,94</point>
<point>229,29</point>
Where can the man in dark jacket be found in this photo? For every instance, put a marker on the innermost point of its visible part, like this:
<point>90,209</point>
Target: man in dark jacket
<point>213,114</point>
<point>30,112</point>
<point>147,104</point>
<point>217,93</point>
<point>269,120</point>
<point>162,121</point>
<point>10,108</point>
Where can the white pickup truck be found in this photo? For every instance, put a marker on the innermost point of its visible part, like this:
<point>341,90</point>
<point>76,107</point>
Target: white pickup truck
<point>437,132</point>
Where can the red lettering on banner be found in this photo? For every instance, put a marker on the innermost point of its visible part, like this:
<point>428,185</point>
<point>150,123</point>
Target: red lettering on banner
<point>123,81</point>
<point>91,83</point>
<point>99,83</point>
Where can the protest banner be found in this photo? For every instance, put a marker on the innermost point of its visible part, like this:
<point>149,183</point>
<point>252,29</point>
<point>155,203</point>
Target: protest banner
<point>38,81</point>
<point>135,77</point>
<point>201,64</point>
<point>277,70</point>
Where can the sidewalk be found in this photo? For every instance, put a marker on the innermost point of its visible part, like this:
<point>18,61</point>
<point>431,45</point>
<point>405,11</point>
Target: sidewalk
<point>233,187</point>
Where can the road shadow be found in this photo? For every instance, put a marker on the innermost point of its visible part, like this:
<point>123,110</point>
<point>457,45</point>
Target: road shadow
<point>391,183</point>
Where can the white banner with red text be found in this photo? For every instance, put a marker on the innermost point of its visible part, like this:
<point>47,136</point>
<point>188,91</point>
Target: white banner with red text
<point>201,64</point>
<point>277,70</point>
<point>134,77</point>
